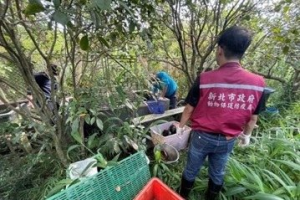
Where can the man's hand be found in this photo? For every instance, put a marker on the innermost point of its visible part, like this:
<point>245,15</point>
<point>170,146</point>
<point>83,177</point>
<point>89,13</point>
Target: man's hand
<point>179,130</point>
<point>244,140</point>
<point>30,104</point>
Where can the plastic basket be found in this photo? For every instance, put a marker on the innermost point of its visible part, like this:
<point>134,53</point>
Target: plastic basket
<point>178,141</point>
<point>156,107</point>
<point>120,182</point>
<point>8,115</point>
<point>156,189</point>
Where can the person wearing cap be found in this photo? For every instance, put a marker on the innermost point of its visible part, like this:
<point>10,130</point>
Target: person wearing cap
<point>222,106</point>
<point>167,85</point>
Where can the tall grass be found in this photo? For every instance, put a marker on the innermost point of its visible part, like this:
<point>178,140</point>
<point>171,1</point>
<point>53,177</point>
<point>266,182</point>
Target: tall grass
<point>268,169</point>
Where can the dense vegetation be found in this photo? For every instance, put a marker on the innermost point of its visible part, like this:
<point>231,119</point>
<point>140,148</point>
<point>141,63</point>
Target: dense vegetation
<point>106,49</point>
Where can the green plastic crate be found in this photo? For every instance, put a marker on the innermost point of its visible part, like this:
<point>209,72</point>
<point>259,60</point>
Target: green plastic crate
<point>120,182</point>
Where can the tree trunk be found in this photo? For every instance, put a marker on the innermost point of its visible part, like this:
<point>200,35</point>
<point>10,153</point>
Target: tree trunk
<point>295,85</point>
<point>59,150</point>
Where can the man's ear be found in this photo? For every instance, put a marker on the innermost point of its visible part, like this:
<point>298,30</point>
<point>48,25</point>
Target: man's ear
<point>220,51</point>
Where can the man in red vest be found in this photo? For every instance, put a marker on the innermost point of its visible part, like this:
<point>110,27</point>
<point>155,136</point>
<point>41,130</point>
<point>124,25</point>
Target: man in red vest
<point>222,106</point>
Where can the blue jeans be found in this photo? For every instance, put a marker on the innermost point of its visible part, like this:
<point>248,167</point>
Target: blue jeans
<point>216,147</point>
<point>173,101</point>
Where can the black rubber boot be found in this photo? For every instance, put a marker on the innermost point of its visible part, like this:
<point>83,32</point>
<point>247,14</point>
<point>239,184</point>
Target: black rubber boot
<point>186,187</point>
<point>213,191</point>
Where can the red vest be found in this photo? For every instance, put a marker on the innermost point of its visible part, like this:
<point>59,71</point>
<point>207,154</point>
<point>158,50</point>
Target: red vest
<point>228,98</point>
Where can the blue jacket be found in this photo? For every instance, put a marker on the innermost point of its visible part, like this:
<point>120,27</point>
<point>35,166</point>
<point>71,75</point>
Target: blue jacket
<point>166,81</point>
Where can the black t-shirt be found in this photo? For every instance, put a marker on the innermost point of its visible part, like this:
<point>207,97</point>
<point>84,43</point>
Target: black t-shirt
<point>194,96</point>
<point>44,82</point>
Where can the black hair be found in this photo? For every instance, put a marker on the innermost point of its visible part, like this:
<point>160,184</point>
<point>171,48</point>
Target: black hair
<point>234,41</point>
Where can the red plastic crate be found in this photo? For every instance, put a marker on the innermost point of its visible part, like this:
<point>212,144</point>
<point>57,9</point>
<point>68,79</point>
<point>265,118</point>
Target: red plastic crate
<point>157,190</point>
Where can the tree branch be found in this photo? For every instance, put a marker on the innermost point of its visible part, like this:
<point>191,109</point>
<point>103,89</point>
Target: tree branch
<point>269,76</point>
<point>4,8</point>
<point>28,31</point>
<point>53,43</point>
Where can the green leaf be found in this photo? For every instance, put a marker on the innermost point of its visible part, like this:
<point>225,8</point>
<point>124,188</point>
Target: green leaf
<point>113,36</point>
<point>99,123</point>
<point>277,8</point>
<point>165,167</point>
<point>131,26</point>
<point>56,3</point>
<point>157,155</point>
<point>293,166</point>
<point>103,41</point>
<point>93,120</point>
<point>115,159</point>
<point>126,7</point>
<point>224,1</point>
<point>61,17</point>
<point>119,28</point>
<point>34,7</point>
<point>277,178</point>
<point>72,148</point>
<point>284,176</point>
<point>247,17</point>
<point>155,169</point>
<point>298,189</point>
<point>102,4</point>
<point>295,32</point>
<point>264,196</point>
<point>279,191</point>
<point>235,190</point>
<point>120,91</point>
<point>101,161</point>
<point>84,43</point>
<point>133,145</point>
<point>70,25</point>
<point>91,140</point>
<point>286,9</point>
<point>93,111</point>
<point>129,105</point>
<point>82,2</point>
<point>60,185</point>
<point>87,119</point>
<point>75,125</point>
<point>285,50</point>
<point>76,135</point>
<point>112,163</point>
<point>287,40</point>
<point>256,178</point>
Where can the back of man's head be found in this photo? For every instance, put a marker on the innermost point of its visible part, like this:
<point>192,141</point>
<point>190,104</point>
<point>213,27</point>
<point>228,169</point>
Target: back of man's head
<point>234,41</point>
